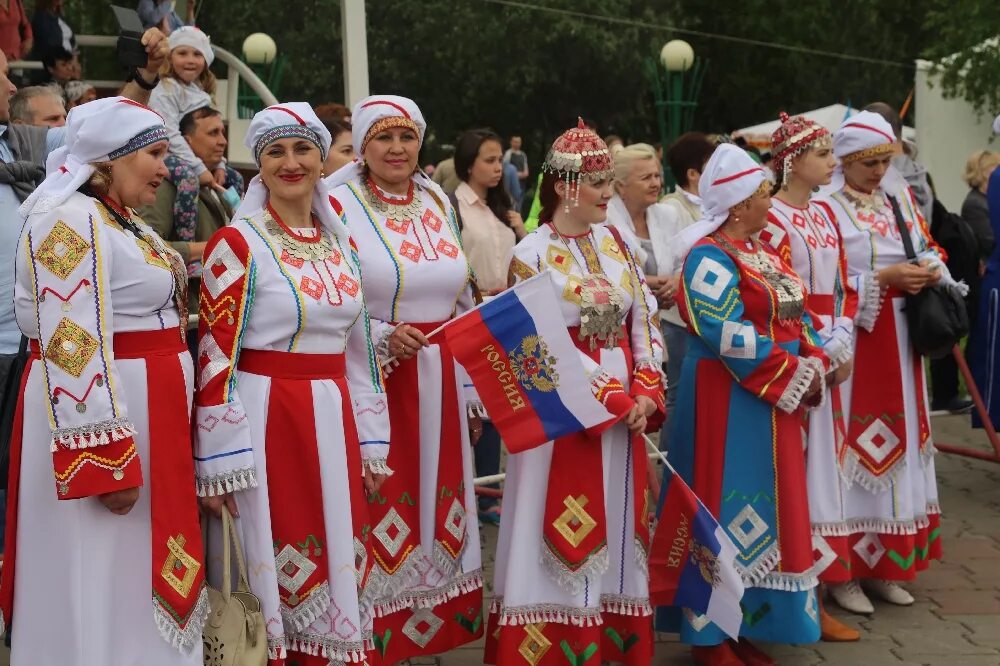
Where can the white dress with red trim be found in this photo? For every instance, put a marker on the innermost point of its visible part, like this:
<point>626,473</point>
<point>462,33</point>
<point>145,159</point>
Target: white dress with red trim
<point>808,239</point>
<point>571,578</point>
<point>426,548</point>
<point>103,408</point>
<point>290,410</point>
<point>891,507</point>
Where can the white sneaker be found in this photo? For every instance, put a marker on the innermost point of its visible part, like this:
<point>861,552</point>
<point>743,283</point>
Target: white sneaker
<point>890,591</point>
<point>850,597</point>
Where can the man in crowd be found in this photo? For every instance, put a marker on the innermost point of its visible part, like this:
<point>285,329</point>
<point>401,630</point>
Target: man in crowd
<point>41,106</point>
<point>516,156</point>
<point>204,131</point>
<point>61,66</point>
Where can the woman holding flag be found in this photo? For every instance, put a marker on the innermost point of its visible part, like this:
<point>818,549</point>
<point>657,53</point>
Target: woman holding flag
<point>427,559</point>
<point>571,562</point>
<point>753,363</point>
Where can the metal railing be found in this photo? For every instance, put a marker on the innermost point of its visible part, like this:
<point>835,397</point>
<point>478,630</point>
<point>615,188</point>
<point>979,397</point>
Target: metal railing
<point>235,70</point>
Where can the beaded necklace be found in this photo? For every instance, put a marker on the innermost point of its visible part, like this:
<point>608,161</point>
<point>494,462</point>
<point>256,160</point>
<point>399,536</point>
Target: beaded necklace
<point>308,248</point>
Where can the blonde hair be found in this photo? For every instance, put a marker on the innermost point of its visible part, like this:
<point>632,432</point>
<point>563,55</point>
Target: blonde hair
<point>206,80</point>
<point>625,159</point>
<point>978,167</point>
<point>100,181</point>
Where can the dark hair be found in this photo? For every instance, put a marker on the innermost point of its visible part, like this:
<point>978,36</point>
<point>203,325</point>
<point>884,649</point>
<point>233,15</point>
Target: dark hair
<point>189,121</point>
<point>332,111</point>
<point>52,56</point>
<point>890,115</point>
<point>337,126</point>
<point>690,151</point>
<point>466,151</point>
<point>548,197</point>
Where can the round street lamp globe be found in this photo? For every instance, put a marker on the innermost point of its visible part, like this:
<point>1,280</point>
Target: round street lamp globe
<point>677,55</point>
<point>259,49</point>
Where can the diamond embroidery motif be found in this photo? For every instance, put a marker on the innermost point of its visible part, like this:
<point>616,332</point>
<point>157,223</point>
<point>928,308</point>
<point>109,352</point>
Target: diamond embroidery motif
<point>772,235</point>
<point>360,560</point>
<point>571,292</point>
<point>878,440</point>
<point>697,622</point>
<point>870,549</point>
<point>399,226</point>
<point>347,284</point>
<point>738,340</point>
<point>71,347</point>
<point>535,645</point>
<point>747,527</point>
<point>392,542</point>
<point>455,522</point>
<point>422,626</point>
<point>62,250</point>
<point>293,570</point>
<point>811,608</point>
<point>290,260</point>
<point>222,269</point>
<point>574,524</point>
<point>559,259</point>
<point>411,251</point>
<point>711,278</point>
<point>311,288</point>
<point>211,359</point>
<point>431,220</point>
<point>178,560</point>
<point>823,555</point>
<point>610,247</point>
<point>447,249</point>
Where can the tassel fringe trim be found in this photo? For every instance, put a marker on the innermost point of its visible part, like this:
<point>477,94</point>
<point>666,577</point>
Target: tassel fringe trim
<point>622,605</point>
<point>298,619</point>
<point>183,639</point>
<point>854,472</point>
<point>464,584</point>
<point>476,408</point>
<point>641,558</point>
<point>92,435</point>
<point>768,561</point>
<point>871,303</point>
<point>227,482</point>
<point>335,650</point>
<point>817,366</point>
<point>788,582</point>
<point>377,466</point>
<point>574,581</point>
<point>876,525</point>
<point>533,614</point>
<point>792,396</point>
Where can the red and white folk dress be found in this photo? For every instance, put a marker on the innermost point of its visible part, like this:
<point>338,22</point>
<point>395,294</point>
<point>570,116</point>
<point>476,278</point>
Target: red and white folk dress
<point>290,407</point>
<point>808,239</point>
<point>892,500</point>
<point>104,407</point>
<point>426,536</point>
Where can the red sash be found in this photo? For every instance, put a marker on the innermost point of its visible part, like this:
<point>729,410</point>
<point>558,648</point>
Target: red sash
<point>180,601</point>
<point>293,476</point>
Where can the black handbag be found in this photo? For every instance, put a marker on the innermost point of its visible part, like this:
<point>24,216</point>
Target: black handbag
<point>936,315</point>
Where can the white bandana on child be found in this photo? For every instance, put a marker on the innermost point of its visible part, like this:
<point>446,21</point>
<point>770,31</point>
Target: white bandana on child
<point>191,36</point>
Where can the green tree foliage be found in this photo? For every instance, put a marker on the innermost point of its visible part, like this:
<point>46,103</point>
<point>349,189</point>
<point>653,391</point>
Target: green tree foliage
<point>967,46</point>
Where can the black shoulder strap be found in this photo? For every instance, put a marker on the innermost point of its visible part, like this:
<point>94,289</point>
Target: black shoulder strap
<point>458,213</point>
<point>904,233</point>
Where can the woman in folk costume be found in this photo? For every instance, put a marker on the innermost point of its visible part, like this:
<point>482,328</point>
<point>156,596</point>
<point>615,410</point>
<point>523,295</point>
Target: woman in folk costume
<point>291,409</point>
<point>104,562</point>
<point>890,500</point>
<point>427,567</point>
<point>571,578</point>
<point>804,232</point>
<point>753,365</point>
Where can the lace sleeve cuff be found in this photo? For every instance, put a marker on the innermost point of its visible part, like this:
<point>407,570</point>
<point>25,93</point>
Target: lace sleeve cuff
<point>870,297</point>
<point>91,434</point>
<point>791,397</point>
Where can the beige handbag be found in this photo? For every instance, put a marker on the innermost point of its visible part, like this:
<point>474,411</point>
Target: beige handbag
<point>235,633</point>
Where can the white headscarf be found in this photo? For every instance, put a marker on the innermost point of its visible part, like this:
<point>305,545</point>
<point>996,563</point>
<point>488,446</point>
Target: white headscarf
<point>189,35</point>
<point>996,125</point>
<point>99,131</point>
<point>729,177</point>
<point>281,121</point>
<point>372,115</point>
<point>863,130</point>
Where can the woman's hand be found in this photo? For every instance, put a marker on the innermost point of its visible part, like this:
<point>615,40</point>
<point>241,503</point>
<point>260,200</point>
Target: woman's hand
<point>905,277</point>
<point>517,224</point>
<point>157,49</point>
<point>373,481</point>
<point>120,502</point>
<point>935,270</point>
<point>635,420</point>
<point>406,341</point>
<point>840,375</point>
<point>207,179</point>
<point>647,405</point>
<point>666,295</point>
<point>213,505</point>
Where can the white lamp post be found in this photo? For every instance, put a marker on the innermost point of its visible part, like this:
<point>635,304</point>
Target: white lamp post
<point>259,49</point>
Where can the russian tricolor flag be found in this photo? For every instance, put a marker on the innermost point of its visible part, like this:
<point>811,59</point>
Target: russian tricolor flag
<point>692,560</point>
<point>528,372</point>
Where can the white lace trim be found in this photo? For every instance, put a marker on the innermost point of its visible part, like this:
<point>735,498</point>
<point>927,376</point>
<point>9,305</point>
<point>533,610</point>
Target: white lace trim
<point>226,482</point>
<point>535,613</point>
<point>620,604</point>
<point>792,396</point>
<point>463,584</point>
<point>377,466</point>
<point>788,582</point>
<point>92,434</point>
<point>298,619</point>
<point>754,575</point>
<point>183,640</point>
<point>820,370</point>
<point>854,472</point>
<point>574,581</point>
<point>871,298</point>
<point>385,358</point>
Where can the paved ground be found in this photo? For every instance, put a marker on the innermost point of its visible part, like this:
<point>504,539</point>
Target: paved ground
<point>956,620</point>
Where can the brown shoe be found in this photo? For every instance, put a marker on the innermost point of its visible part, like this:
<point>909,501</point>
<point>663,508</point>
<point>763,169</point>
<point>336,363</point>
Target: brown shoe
<point>751,654</point>
<point>715,655</point>
<point>835,631</point>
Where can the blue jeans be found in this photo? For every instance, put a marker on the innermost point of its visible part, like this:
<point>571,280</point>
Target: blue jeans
<point>676,339</point>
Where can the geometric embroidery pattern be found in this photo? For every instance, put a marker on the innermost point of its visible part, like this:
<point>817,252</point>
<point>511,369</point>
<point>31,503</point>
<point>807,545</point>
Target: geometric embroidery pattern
<point>422,626</point>
<point>210,357</point>
<point>392,543</point>
<point>609,246</point>
<point>574,524</point>
<point>710,278</point>
<point>62,250</point>
<point>535,645</point>
<point>571,292</point>
<point>870,549</point>
<point>747,527</point>
<point>293,570</point>
<point>559,259</point>
<point>878,440</point>
<point>738,340</point>
<point>455,522</point>
<point>71,347</point>
<point>222,269</point>
<point>178,560</point>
